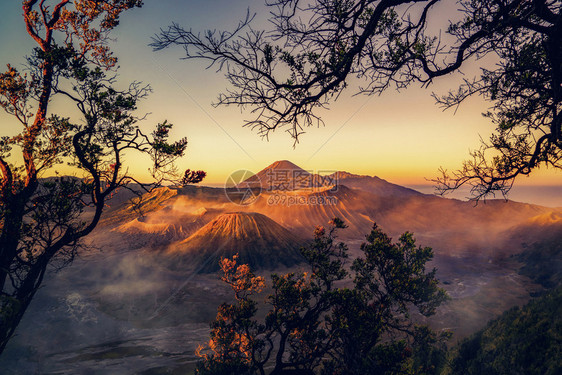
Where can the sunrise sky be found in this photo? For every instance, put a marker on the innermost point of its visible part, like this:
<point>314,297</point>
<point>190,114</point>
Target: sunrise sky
<point>402,137</point>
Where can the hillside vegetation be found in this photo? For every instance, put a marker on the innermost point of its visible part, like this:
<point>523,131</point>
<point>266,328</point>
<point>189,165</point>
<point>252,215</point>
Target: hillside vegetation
<point>543,262</point>
<point>525,340</point>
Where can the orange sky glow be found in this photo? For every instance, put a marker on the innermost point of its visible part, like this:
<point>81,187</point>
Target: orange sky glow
<point>401,137</point>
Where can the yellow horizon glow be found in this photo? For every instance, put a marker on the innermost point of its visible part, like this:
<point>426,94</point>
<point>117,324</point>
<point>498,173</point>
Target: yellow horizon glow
<point>401,137</point>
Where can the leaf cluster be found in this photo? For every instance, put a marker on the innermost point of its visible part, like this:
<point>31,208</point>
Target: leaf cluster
<point>43,219</point>
<point>317,324</point>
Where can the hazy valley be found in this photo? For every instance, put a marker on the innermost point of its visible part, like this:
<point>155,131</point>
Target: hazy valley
<point>141,295</point>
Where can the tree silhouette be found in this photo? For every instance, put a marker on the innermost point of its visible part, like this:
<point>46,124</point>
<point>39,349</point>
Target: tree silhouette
<point>316,324</point>
<point>315,48</point>
<point>42,220</point>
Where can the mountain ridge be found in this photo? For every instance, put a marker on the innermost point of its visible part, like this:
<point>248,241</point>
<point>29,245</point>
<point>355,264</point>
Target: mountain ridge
<point>284,175</point>
<point>450,226</point>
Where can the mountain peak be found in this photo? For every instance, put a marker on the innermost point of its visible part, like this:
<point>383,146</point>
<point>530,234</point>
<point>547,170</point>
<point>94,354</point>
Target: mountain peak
<point>283,164</point>
<point>281,175</point>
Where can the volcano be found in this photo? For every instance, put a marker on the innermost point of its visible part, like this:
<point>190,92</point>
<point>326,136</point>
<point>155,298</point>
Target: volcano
<point>450,226</point>
<point>284,175</point>
<point>258,240</point>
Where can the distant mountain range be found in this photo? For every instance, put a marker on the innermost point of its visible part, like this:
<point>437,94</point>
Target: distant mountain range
<point>284,175</point>
<point>199,220</point>
<point>373,185</point>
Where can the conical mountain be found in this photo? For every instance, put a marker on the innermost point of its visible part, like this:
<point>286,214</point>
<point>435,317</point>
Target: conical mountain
<point>284,175</point>
<point>283,165</point>
<point>258,240</point>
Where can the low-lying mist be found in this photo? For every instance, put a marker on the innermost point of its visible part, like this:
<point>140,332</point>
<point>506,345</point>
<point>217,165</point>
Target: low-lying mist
<point>122,308</point>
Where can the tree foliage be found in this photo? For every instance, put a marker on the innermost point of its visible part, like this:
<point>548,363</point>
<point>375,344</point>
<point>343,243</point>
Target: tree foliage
<point>542,261</point>
<point>42,218</point>
<point>523,340</point>
<point>315,323</point>
<point>315,48</point>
